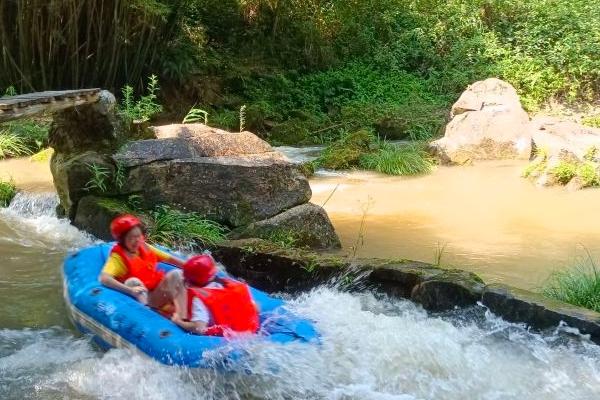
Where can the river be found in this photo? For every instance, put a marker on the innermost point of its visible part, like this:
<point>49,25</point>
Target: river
<point>373,347</point>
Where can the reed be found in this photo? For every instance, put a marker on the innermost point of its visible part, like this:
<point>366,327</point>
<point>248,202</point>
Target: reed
<point>80,43</point>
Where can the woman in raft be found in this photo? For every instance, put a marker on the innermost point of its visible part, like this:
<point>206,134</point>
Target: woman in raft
<point>216,306</point>
<point>132,269</point>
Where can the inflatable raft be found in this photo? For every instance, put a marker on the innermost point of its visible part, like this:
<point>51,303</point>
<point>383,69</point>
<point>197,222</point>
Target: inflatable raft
<point>117,320</point>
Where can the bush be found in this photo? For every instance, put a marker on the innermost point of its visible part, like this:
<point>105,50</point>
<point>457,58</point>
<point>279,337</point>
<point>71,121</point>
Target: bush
<point>564,171</point>
<point>593,121</point>
<point>346,152</point>
<point>144,108</point>
<point>579,285</point>
<point>408,159</point>
<point>8,190</point>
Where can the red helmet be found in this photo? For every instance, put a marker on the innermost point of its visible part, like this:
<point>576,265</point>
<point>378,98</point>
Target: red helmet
<point>200,270</point>
<point>123,224</point>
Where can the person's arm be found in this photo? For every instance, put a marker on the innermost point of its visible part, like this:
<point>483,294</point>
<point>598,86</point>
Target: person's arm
<point>109,281</point>
<point>197,327</point>
<point>166,257</point>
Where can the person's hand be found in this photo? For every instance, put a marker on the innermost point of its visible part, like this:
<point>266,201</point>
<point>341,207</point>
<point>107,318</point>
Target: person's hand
<point>176,319</point>
<point>140,293</point>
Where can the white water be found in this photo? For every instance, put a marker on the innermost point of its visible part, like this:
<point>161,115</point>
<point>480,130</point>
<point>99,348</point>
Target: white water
<point>372,347</point>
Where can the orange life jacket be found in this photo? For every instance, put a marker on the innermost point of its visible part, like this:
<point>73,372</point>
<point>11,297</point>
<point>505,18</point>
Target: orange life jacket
<point>231,307</point>
<point>141,266</point>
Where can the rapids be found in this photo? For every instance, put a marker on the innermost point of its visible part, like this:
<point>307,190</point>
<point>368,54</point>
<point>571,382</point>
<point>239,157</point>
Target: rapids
<point>373,347</point>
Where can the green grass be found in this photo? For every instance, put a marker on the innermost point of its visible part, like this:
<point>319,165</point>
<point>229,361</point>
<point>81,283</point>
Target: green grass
<point>405,159</point>
<point>100,178</point>
<point>579,285</point>
<point>7,192</point>
<point>285,239</point>
<point>346,152</point>
<point>172,227</point>
<point>23,137</point>
<point>144,108</point>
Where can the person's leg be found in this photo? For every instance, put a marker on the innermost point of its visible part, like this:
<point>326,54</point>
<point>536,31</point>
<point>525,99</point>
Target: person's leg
<point>135,282</point>
<point>171,288</point>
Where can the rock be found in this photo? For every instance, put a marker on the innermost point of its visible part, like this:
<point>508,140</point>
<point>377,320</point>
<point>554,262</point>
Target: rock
<point>236,191</point>
<point>575,184</point>
<point>72,175</point>
<point>271,268</point>
<point>91,127</point>
<point>400,278</point>
<point>307,225</point>
<point>488,122</point>
<point>95,218</point>
<point>142,152</point>
<point>452,288</point>
<point>539,312</point>
<point>213,142</point>
<point>567,140</point>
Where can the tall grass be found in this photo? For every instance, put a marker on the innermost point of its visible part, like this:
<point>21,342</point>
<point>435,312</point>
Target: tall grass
<point>176,228</point>
<point>7,192</point>
<point>12,145</point>
<point>405,159</point>
<point>579,285</point>
<point>23,137</point>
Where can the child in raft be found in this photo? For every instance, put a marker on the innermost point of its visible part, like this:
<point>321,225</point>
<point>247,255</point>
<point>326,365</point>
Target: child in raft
<point>131,268</point>
<point>216,306</point>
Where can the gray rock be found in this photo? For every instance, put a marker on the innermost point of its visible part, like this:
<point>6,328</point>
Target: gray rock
<point>539,312</point>
<point>448,290</point>
<point>147,151</point>
<point>236,191</point>
<point>92,127</point>
<point>94,218</point>
<point>72,173</point>
<point>308,224</point>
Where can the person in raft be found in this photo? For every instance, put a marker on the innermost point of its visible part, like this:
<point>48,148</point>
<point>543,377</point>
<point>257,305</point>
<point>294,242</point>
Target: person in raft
<point>131,268</point>
<point>216,306</point>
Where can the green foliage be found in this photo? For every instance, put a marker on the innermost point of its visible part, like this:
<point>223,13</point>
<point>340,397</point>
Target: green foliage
<point>285,239</point>
<point>593,121</point>
<point>564,171</point>
<point>196,115</point>
<point>391,159</point>
<point>10,91</point>
<point>347,151</point>
<point>120,175</point>
<point>12,145</point>
<point>579,285</point>
<point>176,228</point>
<point>100,178</point>
<point>536,167</point>
<point>588,173</point>
<point>7,192</point>
<point>23,137</point>
<point>144,108</point>
<point>242,118</point>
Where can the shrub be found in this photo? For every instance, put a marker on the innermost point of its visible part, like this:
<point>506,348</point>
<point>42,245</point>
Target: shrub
<point>347,151</point>
<point>588,173</point>
<point>8,190</point>
<point>144,108</point>
<point>593,121</point>
<point>579,285</point>
<point>391,159</point>
<point>564,171</point>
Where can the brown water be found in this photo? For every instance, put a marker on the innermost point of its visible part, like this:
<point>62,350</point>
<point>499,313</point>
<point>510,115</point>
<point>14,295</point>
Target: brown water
<point>33,176</point>
<point>484,218</point>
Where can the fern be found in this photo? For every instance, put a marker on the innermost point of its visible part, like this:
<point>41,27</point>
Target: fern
<point>196,115</point>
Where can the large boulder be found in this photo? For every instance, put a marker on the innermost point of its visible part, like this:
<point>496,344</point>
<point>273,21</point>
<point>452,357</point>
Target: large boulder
<point>232,178</point>
<point>567,153</point>
<point>488,122</point>
<point>554,136</point>
<point>306,225</point>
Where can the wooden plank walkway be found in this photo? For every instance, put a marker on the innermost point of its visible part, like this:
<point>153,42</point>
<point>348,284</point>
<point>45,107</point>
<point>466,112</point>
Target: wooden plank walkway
<point>25,105</point>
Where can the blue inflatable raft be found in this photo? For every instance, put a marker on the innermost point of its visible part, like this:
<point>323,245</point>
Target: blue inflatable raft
<point>117,320</point>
